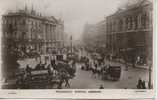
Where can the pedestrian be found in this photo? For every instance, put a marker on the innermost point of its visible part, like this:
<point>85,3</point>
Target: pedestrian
<point>61,80</point>
<point>139,85</point>
<point>87,66</point>
<point>101,87</point>
<point>99,71</point>
<point>67,84</point>
<point>49,69</point>
<point>96,70</point>
<point>93,70</point>
<point>53,62</point>
<point>90,65</point>
<point>28,69</point>
<point>102,67</point>
<point>143,85</point>
<point>107,67</point>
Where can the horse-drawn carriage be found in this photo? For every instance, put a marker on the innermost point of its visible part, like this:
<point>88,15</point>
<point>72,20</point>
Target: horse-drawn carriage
<point>36,79</point>
<point>112,73</point>
<point>73,56</point>
<point>44,78</point>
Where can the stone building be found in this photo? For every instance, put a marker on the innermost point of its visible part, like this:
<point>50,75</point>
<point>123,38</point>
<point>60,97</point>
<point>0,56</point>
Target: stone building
<point>129,31</point>
<point>26,30</point>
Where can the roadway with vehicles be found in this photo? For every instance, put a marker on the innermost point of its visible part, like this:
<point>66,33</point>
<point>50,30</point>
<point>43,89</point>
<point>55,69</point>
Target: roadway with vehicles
<point>83,79</point>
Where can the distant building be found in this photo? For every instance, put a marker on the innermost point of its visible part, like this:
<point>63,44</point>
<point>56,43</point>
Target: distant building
<point>27,30</point>
<point>94,35</point>
<point>129,31</point>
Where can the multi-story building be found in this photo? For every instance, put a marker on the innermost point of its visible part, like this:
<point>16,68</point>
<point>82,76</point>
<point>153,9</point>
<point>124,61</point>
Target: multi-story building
<point>27,30</point>
<point>129,31</point>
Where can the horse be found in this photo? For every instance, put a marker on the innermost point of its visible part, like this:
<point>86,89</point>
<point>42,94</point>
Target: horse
<point>96,71</point>
<point>64,77</point>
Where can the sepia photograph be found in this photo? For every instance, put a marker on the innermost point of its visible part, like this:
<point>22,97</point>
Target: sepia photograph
<point>76,44</point>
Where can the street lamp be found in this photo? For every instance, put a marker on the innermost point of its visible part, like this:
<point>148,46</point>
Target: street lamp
<point>71,44</point>
<point>150,77</point>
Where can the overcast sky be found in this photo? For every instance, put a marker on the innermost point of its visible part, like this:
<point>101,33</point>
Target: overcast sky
<point>75,13</point>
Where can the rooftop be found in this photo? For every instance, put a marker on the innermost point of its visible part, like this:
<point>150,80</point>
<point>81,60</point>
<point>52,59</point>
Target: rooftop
<point>133,4</point>
<point>32,13</point>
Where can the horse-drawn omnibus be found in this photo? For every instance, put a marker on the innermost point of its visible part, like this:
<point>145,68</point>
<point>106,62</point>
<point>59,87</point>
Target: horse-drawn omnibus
<point>112,73</point>
<point>44,78</point>
<point>37,79</point>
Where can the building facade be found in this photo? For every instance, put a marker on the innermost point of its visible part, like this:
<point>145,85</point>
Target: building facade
<point>26,30</point>
<point>129,32</point>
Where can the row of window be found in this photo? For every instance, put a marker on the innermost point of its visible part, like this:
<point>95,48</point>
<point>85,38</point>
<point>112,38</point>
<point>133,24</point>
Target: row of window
<point>14,21</point>
<point>15,35</point>
<point>129,23</point>
<point>35,29</point>
<point>22,21</point>
<point>34,34</point>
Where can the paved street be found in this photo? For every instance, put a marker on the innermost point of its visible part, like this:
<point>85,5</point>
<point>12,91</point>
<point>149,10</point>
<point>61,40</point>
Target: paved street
<point>128,79</point>
<point>84,80</point>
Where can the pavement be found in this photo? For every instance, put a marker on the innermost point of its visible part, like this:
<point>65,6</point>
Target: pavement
<point>145,66</point>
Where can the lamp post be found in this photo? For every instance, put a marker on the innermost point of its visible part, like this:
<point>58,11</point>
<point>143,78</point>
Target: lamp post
<point>71,44</point>
<point>150,66</point>
<point>150,77</point>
